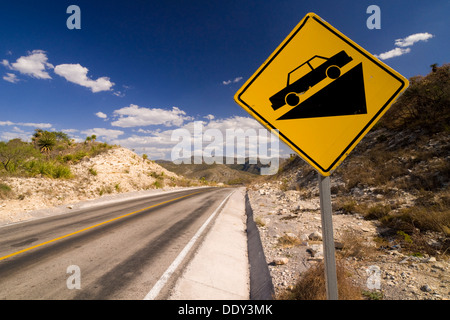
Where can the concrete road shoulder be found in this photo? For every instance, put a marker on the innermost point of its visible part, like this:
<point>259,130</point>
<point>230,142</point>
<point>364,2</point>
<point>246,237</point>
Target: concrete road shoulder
<point>220,267</point>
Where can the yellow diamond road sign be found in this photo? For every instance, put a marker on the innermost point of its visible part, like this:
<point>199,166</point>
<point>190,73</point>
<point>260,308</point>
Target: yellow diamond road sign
<point>321,91</point>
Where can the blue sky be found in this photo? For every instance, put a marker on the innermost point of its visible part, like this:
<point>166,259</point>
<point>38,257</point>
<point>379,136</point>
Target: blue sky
<point>136,70</point>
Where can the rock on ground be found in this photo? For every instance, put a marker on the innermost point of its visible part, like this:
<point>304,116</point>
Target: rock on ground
<point>281,213</point>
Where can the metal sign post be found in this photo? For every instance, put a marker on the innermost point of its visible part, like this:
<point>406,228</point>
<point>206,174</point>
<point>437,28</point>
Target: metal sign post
<point>327,237</point>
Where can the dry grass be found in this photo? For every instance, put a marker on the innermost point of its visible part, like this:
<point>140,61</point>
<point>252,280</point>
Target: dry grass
<point>311,285</point>
<point>5,191</point>
<point>259,222</point>
<point>287,241</point>
<point>375,167</point>
<point>426,218</point>
<point>377,211</point>
<point>430,213</point>
<point>355,246</point>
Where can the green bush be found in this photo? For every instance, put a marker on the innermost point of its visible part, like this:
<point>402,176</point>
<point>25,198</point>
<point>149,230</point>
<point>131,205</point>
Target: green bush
<point>5,191</point>
<point>158,184</point>
<point>13,153</point>
<point>61,172</point>
<point>47,169</point>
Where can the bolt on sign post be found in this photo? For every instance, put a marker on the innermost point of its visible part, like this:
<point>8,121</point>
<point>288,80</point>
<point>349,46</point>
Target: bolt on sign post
<point>323,93</point>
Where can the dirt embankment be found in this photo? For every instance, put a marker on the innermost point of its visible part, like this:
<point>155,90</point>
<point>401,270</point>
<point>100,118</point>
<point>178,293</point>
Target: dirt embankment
<point>116,171</point>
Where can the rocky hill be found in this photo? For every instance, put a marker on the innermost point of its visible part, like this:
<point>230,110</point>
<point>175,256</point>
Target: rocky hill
<point>115,171</point>
<point>228,172</point>
<point>391,206</point>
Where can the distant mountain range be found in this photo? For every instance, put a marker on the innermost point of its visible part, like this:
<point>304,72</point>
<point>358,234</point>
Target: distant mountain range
<point>229,172</point>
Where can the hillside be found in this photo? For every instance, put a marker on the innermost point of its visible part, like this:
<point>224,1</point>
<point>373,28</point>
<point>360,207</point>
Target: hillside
<point>402,165</point>
<point>113,171</point>
<point>391,205</point>
<point>219,173</point>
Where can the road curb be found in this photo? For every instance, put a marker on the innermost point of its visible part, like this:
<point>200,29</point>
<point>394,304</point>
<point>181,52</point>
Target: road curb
<point>219,267</point>
<point>261,286</point>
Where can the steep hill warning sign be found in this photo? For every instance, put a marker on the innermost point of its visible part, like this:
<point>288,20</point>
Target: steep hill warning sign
<point>321,91</point>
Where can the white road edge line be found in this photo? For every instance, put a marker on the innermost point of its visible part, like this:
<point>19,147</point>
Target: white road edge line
<point>153,293</point>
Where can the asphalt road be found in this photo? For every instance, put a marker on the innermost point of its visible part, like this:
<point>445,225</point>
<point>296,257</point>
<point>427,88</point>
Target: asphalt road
<point>116,251</point>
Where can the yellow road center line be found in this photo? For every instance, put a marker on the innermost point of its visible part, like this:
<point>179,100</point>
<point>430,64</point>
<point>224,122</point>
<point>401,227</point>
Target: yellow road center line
<point>92,227</point>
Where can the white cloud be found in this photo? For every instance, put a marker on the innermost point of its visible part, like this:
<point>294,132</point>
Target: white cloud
<point>26,124</point>
<point>11,77</point>
<point>402,43</point>
<point>393,53</point>
<point>17,132</point>
<point>236,122</point>
<point>158,144</point>
<point>410,40</point>
<point>101,115</point>
<point>102,132</point>
<point>70,130</point>
<point>17,129</point>
<point>34,65</point>
<point>77,74</point>
<point>135,116</point>
<point>6,136</point>
<point>37,125</point>
<point>140,130</point>
<point>119,94</point>
<point>235,80</point>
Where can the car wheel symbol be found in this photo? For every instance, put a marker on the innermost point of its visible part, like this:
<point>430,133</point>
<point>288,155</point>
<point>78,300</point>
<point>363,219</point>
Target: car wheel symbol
<point>292,99</point>
<point>333,72</point>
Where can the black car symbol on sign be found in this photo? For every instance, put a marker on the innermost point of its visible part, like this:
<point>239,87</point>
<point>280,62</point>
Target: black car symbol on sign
<point>291,93</point>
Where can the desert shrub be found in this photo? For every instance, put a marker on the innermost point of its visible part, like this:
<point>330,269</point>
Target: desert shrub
<point>61,172</point>
<point>311,285</point>
<point>158,184</point>
<point>67,158</point>
<point>237,181</point>
<point>98,148</point>
<point>411,225</point>
<point>105,189</point>
<point>377,211</point>
<point>345,205</point>
<point>425,104</point>
<point>374,168</point>
<point>48,169</point>
<point>373,294</point>
<point>5,191</point>
<point>355,246</point>
<point>259,222</point>
<point>14,152</point>
<point>287,241</point>
<point>435,218</point>
<point>45,141</point>
<point>156,175</point>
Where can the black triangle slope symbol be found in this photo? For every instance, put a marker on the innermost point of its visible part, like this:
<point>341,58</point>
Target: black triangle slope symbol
<point>344,96</point>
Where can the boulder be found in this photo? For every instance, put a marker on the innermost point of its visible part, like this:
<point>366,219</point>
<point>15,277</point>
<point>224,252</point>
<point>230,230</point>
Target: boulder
<point>315,236</point>
<point>280,261</point>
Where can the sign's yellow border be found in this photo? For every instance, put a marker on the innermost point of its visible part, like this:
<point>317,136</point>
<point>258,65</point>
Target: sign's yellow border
<point>403,84</point>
